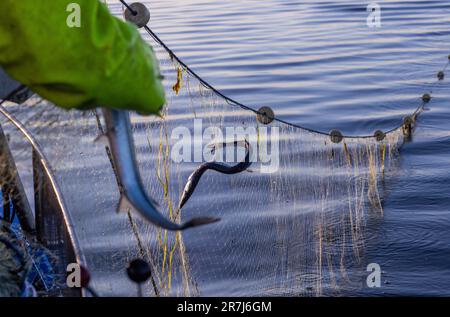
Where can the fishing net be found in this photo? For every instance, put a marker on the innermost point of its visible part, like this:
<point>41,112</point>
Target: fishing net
<point>26,267</point>
<point>294,223</point>
<point>13,265</point>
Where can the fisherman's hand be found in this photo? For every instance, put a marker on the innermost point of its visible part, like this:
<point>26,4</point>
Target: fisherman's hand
<point>102,63</point>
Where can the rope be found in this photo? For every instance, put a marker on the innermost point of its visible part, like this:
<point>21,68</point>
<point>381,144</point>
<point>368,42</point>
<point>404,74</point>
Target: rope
<point>234,102</point>
<point>128,7</point>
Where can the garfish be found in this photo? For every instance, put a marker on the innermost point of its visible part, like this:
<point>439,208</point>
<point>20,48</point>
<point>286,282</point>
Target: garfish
<point>119,139</point>
<point>195,177</point>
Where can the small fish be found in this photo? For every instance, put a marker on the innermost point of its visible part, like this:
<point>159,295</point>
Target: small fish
<point>194,178</point>
<point>120,142</point>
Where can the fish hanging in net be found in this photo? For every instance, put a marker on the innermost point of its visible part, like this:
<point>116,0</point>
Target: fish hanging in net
<point>293,223</point>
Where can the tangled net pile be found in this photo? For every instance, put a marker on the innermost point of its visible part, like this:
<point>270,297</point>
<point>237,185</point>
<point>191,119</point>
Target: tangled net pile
<point>298,230</point>
<point>25,265</point>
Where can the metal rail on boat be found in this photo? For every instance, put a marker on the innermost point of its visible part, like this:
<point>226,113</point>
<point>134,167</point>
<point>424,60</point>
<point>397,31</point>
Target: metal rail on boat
<point>52,224</point>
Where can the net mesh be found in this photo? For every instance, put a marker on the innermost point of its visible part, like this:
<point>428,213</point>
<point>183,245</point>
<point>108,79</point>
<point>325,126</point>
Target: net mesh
<point>298,230</point>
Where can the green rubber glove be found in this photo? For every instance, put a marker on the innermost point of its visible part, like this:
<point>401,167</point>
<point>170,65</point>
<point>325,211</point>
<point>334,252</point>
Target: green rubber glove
<point>103,63</point>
